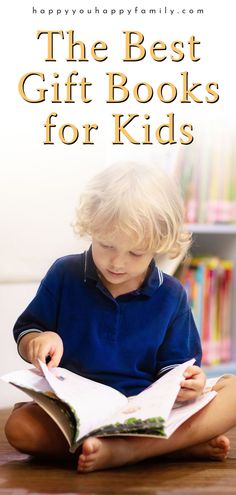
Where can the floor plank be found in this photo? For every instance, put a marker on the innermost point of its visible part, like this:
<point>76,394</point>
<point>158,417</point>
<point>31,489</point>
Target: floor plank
<point>20,475</point>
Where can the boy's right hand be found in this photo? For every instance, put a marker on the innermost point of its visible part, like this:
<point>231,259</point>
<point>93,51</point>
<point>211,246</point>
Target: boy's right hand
<point>41,346</point>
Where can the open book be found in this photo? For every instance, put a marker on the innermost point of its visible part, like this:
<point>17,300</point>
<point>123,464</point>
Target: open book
<point>82,407</point>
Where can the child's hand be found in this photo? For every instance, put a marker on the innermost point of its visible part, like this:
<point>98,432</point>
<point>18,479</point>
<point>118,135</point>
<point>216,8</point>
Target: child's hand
<point>193,384</point>
<point>43,345</point>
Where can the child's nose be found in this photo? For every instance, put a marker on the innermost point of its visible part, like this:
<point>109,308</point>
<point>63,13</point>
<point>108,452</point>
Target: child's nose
<point>117,260</point>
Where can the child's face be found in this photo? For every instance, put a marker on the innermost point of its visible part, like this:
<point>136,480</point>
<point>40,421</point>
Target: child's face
<point>120,262</point>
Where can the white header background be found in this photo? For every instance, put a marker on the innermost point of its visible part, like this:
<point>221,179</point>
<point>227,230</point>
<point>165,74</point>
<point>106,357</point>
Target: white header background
<point>40,184</point>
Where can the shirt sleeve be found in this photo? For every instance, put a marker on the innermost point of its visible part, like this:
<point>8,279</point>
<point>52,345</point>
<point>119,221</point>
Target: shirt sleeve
<point>42,312</point>
<point>182,340</point>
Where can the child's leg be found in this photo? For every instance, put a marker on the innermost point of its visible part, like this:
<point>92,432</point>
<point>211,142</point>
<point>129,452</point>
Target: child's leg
<point>31,430</point>
<point>216,418</point>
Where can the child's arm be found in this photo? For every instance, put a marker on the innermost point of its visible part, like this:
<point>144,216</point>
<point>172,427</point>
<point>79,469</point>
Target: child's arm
<point>36,345</point>
<point>193,384</point>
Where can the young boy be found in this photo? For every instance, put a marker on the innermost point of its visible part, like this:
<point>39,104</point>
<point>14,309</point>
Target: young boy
<point>111,315</point>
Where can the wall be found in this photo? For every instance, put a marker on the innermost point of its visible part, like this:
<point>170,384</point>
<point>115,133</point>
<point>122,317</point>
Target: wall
<point>13,299</point>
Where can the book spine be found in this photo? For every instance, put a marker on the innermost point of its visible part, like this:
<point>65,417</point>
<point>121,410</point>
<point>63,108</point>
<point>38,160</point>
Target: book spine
<point>208,283</point>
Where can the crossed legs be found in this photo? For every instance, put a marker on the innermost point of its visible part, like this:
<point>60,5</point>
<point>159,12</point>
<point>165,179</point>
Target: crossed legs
<point>29,429</point>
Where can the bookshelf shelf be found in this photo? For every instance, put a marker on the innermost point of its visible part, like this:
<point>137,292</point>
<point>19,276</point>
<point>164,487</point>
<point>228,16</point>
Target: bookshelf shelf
<point>212,240</point>
<point>218,240</point>
<point>201,228</point>
<point>220,369</point>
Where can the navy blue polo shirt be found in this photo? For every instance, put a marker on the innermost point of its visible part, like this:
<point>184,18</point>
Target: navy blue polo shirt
<point>125,342</point>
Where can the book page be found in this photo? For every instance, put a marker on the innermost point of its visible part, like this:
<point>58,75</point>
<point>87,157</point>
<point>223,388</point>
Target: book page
<point>186,410</point>
<point>31,378</point>
<point>148,411</point>
<point>92,403</point>
<point>158,399</point>
<point>154,411</point>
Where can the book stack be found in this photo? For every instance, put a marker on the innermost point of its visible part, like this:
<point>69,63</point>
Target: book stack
<point>208,182</point>
<point>208,283</point>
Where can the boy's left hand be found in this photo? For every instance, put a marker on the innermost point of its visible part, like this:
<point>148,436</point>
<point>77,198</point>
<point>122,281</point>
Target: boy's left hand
<point>193,384</point>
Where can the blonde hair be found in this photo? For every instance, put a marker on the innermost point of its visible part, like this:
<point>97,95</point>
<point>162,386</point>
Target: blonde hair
<point>140,201</point>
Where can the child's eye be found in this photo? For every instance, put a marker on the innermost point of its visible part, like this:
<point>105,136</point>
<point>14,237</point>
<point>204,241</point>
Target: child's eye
<point>136,254</point>
<point>105,246</point>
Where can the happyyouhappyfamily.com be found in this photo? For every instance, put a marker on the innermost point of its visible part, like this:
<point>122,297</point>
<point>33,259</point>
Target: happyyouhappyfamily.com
<point>98,11</point>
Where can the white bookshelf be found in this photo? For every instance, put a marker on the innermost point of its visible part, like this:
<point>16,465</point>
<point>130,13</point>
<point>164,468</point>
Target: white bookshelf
<point>218,240</point>
<point>205,228</point>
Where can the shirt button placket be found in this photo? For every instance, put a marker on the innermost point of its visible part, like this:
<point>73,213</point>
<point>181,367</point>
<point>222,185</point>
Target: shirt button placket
<point>112,327</point>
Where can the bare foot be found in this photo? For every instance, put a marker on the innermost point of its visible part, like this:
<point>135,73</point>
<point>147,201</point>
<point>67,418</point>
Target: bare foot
<point>104,453</point>
<point>216,449</point>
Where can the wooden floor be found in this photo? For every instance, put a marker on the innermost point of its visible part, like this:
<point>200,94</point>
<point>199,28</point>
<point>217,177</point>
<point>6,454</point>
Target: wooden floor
<point>20,475</point>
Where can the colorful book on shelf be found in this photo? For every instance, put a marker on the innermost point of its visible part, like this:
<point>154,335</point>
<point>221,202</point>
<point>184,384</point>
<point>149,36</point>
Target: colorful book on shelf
<point>208,282</point>
<point>225,309</point>
<point>208,183</point>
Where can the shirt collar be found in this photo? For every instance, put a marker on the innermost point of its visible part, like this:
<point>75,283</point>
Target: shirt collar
<point>90,270</point>
<point>152,282</point>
